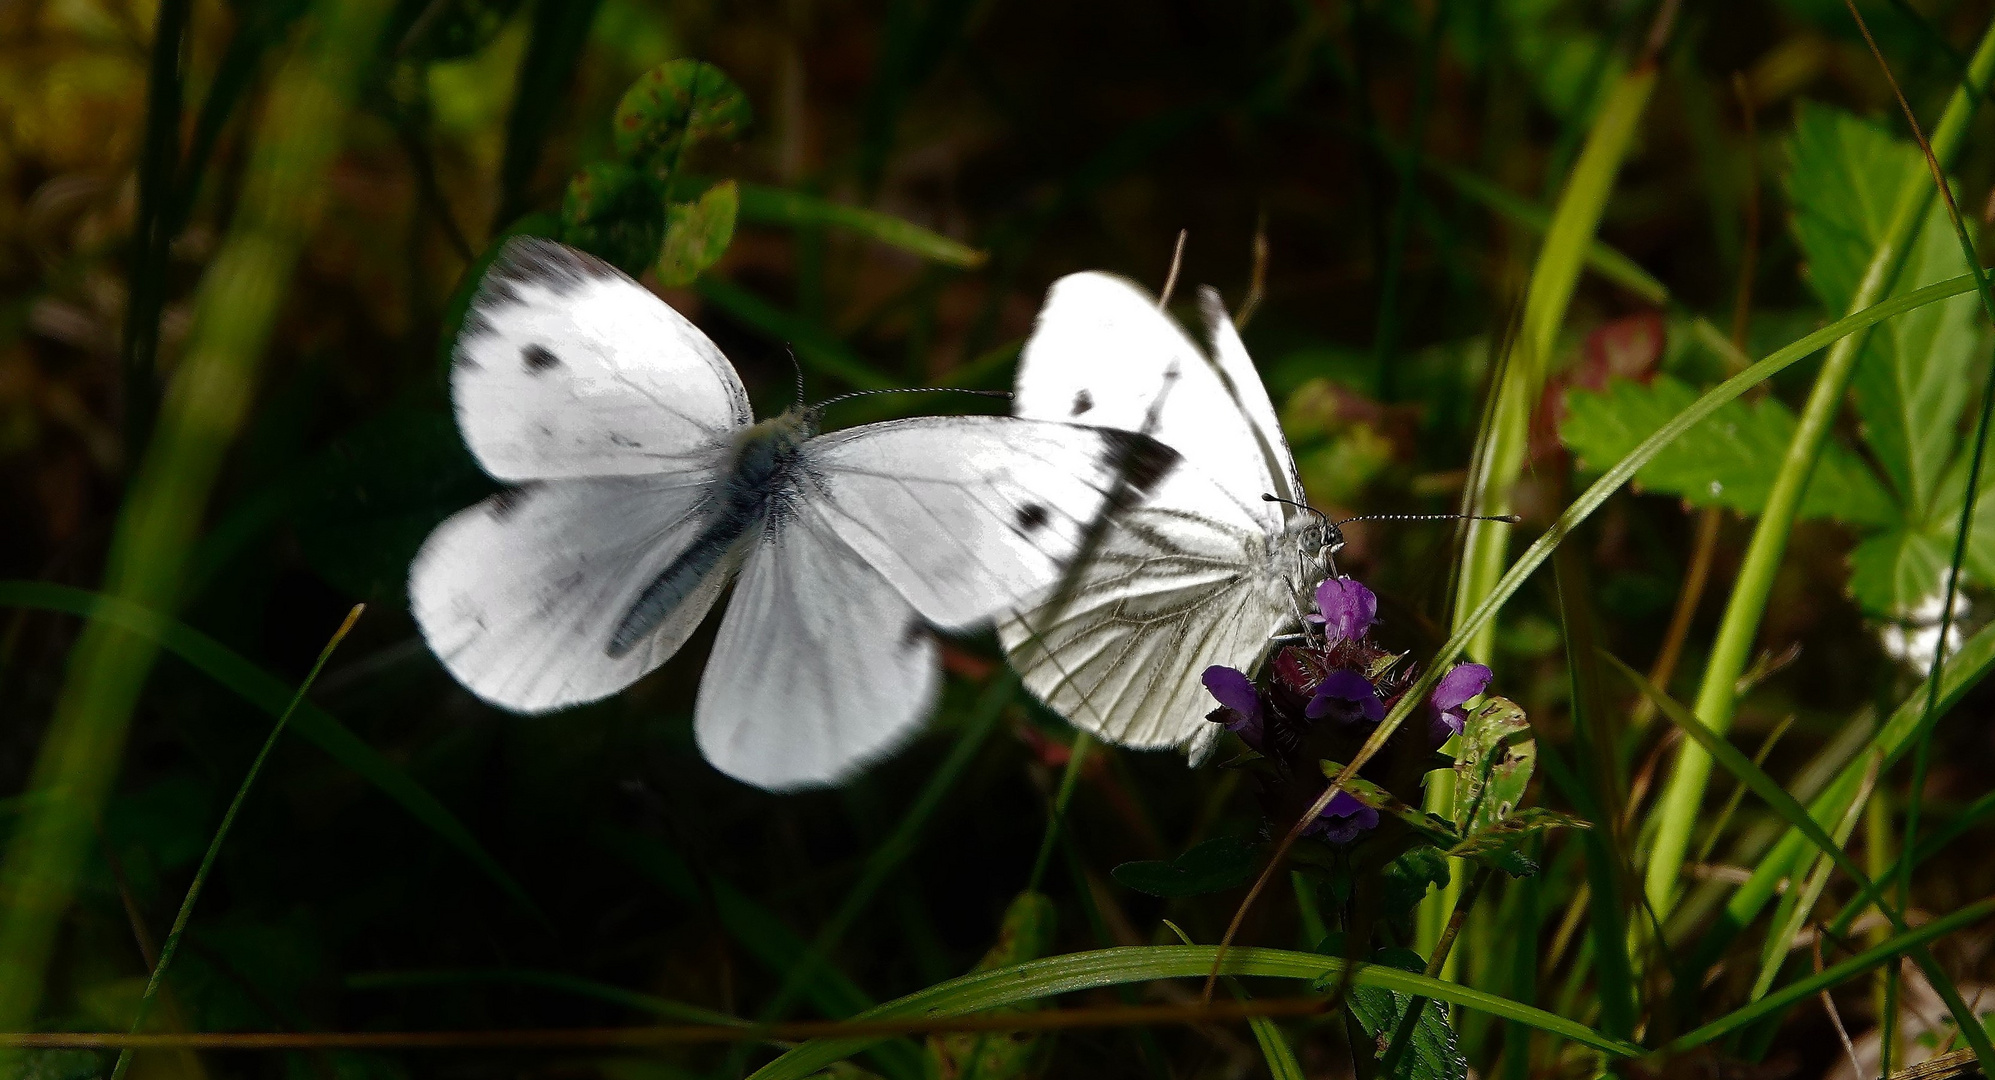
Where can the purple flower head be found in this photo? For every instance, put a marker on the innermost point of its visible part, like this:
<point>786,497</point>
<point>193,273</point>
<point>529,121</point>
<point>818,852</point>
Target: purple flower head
<point>1348,609</point>
<point>1346,697</point>
<point>1240,703</point>
<point>1343,820</point>
<point>1450,694</point>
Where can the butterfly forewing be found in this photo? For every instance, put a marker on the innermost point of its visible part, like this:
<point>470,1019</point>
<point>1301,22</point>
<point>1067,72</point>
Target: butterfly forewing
<point>566,368</point>
<point>970,516</point>
<point>1102,353</point>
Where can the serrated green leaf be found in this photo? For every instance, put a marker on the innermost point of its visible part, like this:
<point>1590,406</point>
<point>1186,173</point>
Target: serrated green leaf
<point>673,107</point>
<point>1493,763</point>
<point>1890,572</point>
<point>697,234</point>
<point>1910,382</point>
<point>1214,866</point>
<point>616,213</point>
<point>1728,459</point>
<point>1498,840</point>
<point>1432,1054</point>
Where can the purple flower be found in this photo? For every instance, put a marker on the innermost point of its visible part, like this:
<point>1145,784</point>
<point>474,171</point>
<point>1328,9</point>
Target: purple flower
<point>1346,697</point>
<point>1343,820</point>
<point>1240,703</point>
<point>1348,609</point>
<point>1450,694</point>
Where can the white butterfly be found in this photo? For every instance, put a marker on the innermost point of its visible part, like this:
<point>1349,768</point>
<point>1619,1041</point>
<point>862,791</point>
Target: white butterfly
<point>641,485</point>
<point>1204,571</point>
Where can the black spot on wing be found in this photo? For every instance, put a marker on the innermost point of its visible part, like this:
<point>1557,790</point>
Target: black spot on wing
<point>539,359</point>
<point>1031,517</point>
<point>508,502</point>
<point>1083,401</point>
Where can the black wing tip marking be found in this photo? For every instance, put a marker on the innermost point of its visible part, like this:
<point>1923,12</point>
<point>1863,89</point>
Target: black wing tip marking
<point>1083,402</point>
<point>528,260</point>
<point>1138,461</point>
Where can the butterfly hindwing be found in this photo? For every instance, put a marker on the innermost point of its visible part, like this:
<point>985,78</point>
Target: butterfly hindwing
<point>1179,583</point>
<point>566,367</point>
<point>820,665</point>
<point>520,594</point>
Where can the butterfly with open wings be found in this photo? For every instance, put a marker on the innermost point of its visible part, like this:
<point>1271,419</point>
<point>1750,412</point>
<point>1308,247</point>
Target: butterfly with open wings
<point>640,485</point>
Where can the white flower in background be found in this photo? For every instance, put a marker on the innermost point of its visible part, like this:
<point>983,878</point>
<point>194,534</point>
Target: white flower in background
<point>1916,634</point>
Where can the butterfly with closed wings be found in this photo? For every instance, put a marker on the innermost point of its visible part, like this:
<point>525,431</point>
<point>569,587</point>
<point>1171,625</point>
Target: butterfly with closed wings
<point>1219,559</point>
<point>640,485</point>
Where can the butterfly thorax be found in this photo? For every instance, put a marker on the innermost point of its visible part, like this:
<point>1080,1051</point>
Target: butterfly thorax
<point>763,461</point>
<point>755,488</point>
<point>1300,556</point>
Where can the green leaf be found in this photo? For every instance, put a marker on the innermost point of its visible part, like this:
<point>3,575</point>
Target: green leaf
<point>1910,384</point>
<point>1728,459</point>
<point>1891,571</point>
<point>616,213</point>
<point>1497,841</point>
<point>1493,762</point>
<point>1432,1054</point>
<point>697,234</point>
<point>1214,866</point>
<point>1408,878</point>
<point>673,107</point>
<point>272,695</point>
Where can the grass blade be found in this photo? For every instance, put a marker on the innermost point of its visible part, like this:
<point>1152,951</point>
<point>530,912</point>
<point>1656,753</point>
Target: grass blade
<point>1971,662</point>
<point>1741,766</point>
<point>1677,809</point>
<point>560,32</point>
<point>235,310</point>
<point>146,287</point>
<point>1138,964</point>
<point>269,693</point>
<point>1897,945</point>
<point>766,205</point>
<point>214,852</point>
<point>547,980</point>
<point>1500,458</point>
<point>813,346</point>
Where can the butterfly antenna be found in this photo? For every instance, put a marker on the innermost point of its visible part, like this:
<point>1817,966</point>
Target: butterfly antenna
<point>1177,261</point>
<point>1265,497</point>
<point>915,390</point>
<point>1507,518</point>
<point>799,369</point>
